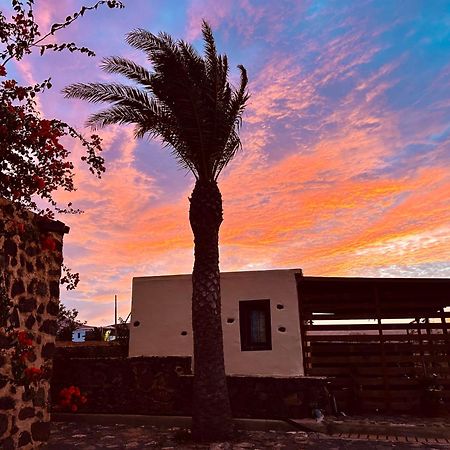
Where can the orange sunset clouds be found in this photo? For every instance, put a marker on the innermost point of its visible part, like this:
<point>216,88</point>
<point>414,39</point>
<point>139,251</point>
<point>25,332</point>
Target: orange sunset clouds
<point>345,166</point>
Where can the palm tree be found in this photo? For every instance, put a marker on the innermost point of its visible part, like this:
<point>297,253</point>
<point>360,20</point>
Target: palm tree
<point>188,103</point>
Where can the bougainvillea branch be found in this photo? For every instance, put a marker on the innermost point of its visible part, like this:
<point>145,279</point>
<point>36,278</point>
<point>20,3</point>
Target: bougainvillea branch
<point>69,278</point>
<point>33,161</point>
<point>22,34</point>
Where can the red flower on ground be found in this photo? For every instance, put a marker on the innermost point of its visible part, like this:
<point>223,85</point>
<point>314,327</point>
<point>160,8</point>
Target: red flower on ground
<point>2,71</point>
<point>71,398</point>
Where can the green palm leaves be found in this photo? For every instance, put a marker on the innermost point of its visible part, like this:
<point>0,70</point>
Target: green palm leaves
<point>186,100</point>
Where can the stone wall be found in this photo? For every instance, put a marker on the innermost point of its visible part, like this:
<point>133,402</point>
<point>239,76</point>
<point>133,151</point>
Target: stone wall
<point>30,262</point>
<point>163,386</point>
<point>93,350</point>
<point>147,385</point>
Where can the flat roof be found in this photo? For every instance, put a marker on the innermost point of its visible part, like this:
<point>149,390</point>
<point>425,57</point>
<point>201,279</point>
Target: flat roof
<point>237,272</point>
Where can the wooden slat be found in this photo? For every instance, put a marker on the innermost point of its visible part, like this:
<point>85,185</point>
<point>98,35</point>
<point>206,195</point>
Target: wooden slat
<point>327,371</point>
<point>361,315</point>
<point>371,327</point>
<point>400,371</point>
<point>371,371</point>
<point>365,296</point>
<point>406,309</point>
<point>336,303</point>
<point>402,348</point>
<point>406,395</point>
<point>374,337</point>
<point>401,314</point>
<point>375,359</point>
<point>400,382</point>
<point>385,364</point>
<point>377,406</point>
<point>440,356</point>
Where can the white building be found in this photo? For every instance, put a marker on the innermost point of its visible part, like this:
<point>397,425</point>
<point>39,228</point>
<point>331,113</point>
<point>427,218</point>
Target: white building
<point>260,320</point>
<point>79,335</point>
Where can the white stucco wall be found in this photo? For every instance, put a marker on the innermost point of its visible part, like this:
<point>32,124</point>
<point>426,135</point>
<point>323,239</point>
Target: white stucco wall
<point>162,306</point>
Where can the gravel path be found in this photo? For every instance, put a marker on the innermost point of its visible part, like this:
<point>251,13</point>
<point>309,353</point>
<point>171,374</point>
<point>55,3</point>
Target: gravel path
<point>69,436</point>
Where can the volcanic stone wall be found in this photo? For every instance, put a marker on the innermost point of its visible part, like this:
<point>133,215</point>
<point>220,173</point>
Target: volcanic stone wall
<point>30,263</point>
<point>141,385</point>
<point>163,386</point>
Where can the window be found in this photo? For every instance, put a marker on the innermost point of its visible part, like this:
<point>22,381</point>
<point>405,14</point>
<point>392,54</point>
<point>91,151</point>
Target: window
<point>255,325</point>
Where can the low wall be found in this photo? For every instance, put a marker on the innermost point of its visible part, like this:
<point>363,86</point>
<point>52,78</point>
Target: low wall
<point>90,350</point>
<point>124,385</point>
<point>163,386</point>
<point>272,398</point>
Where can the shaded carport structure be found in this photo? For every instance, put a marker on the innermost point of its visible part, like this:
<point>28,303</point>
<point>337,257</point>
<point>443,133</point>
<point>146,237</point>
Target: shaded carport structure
<point>383,341</point>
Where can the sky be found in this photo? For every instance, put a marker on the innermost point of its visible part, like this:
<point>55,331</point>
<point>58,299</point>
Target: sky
<point>345,164</point>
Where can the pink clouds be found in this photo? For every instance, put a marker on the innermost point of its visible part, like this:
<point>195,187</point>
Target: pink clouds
<point>326,180</point>
<point>246,17</point>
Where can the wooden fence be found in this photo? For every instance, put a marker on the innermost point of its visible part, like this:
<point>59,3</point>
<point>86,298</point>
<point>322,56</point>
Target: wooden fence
<point>385,342</point>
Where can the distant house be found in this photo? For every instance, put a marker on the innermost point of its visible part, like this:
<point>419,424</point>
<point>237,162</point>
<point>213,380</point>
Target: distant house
<point>106,333</point>
<point>113,332</point>
<point>83,333</point>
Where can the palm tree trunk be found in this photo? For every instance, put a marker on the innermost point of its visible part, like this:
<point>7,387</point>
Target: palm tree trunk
<point>211,418</point>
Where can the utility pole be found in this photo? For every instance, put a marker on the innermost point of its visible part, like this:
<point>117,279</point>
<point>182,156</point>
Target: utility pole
<point>115,315</point>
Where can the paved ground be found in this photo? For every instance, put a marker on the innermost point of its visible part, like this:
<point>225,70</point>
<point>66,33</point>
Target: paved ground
<point>88,436</point>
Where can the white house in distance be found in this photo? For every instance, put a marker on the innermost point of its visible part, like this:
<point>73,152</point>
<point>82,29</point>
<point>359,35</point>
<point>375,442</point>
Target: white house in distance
<point>260,319</point>
<point>79,335</point>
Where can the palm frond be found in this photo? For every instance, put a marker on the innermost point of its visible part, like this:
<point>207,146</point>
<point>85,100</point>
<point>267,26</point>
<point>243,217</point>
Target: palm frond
<point>240,97</point>
<point>157,48</point>
<point>185,100</point>
<point>223,72</point>
<point>193,62</point>
<point>107,92</point>
<point>228,152</point>
<point>211,59</point>
<point>119,114</point>
<point>128,68</point>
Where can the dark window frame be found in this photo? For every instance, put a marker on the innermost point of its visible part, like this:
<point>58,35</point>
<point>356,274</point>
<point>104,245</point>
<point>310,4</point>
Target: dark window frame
<point>245,309</point>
